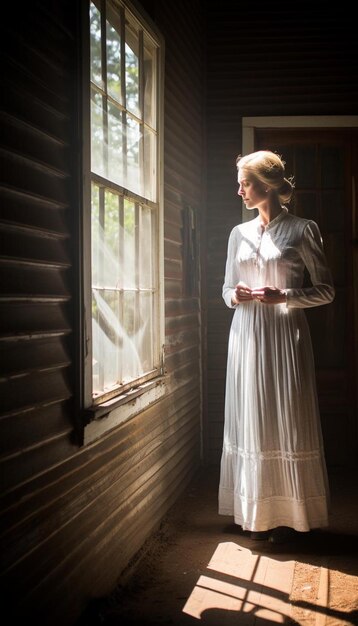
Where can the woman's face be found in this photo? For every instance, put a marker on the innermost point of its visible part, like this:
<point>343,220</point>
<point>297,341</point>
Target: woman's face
<point>252,191</point>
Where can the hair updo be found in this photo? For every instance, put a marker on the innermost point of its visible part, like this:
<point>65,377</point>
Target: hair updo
<point>268,168</point>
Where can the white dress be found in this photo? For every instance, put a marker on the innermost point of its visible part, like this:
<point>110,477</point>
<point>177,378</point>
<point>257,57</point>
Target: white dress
<point>273,470</point>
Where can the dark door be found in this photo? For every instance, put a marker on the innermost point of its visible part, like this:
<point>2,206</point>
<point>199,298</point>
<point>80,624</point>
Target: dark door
<point>324,166</point>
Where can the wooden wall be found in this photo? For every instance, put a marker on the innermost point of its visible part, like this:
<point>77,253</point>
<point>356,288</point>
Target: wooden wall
<point>72,516</point>
<point>264,59</point>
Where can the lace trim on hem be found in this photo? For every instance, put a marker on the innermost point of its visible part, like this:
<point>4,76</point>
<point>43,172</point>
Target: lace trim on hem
<point>282,521</point>
<point>300,502</point>
<point>269,455</point>
<point>269,524</point>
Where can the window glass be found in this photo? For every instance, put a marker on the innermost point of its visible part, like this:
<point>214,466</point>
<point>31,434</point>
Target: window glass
<point>124,209</point>
<point>95,38</point>
<point>132,70</point>
<point>113,47</point>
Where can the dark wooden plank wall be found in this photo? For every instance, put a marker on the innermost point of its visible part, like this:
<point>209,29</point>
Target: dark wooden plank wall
<point>264,59</point>
<point>36,302</point>
<point>73,517</point>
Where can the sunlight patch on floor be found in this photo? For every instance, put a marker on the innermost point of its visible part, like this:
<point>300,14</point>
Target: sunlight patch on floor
<point>238,580</point>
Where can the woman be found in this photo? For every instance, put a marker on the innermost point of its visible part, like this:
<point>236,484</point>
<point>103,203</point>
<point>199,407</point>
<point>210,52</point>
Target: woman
<point>273,476</point>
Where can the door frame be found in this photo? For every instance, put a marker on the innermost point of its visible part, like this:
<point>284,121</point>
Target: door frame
<point>293,122</point>
<point>322,122</point>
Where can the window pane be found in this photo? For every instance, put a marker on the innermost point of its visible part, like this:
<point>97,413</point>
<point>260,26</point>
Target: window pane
<point>132,367</point>
<point>146,270</point>
<point>113,62</point>
<point>133,179</point>
<point>97,134</point>
<point>132,70</point>
<point>102,261</point>
<point>115,145</point>
<point>95,37</point>
<point>129,318</point>
<point>106,339</point>
<point>129,256</point>
<point>145,336</point>
<point>111,240</point>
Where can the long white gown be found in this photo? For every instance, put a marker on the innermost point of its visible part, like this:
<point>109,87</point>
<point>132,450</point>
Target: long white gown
<point>273,470</point>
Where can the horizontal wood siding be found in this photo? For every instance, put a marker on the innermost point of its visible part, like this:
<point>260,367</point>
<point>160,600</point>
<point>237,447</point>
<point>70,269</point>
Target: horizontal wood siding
<point>264,59</point>
<point>36,300</point>
<point>73,517</point>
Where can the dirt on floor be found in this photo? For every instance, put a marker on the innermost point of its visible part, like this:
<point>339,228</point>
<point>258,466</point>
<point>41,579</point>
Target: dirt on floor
<point>201,568</point>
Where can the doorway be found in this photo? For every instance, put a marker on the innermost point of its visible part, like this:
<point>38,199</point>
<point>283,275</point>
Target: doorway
<point>323,162</point>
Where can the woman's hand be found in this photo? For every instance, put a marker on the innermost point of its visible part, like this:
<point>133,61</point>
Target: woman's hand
<point>268,295</point>
<point>242,293</point>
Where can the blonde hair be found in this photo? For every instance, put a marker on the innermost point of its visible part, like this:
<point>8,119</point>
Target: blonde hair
<point>268,168</point>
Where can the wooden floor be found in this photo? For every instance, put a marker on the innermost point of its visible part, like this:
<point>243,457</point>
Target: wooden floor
<point>200,569</point>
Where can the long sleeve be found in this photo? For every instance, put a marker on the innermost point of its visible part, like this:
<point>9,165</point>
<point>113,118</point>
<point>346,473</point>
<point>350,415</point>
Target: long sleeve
<point>231,275</point>
<point>322,289</point>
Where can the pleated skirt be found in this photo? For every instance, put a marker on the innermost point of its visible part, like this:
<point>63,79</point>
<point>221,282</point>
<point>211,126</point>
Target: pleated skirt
<point>273,470</point>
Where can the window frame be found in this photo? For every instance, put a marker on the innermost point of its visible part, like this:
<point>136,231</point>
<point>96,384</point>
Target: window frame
<point>139,394</point>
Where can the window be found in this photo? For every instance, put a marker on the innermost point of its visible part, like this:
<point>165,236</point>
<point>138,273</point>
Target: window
<point>122,198</point>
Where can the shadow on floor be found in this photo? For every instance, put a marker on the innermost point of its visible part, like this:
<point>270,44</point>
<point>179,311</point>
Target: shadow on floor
<point>205,569</point>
